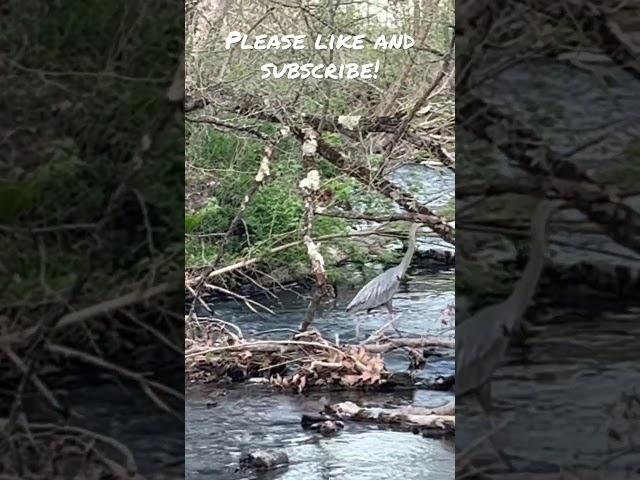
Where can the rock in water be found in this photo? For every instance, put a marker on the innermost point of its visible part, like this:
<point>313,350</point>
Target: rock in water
<point>324,424</point>
<point>310,421</point>
<point>264,460</point>
<point>330,428</point>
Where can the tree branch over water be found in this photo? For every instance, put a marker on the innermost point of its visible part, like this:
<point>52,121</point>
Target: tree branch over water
<point>523,145</point>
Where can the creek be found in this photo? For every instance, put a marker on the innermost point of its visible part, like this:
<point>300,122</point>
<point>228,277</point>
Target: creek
<point>223,423</point>
<point>555,395</point>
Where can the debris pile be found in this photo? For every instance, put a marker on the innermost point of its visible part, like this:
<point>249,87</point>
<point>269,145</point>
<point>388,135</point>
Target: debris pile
<point>307,360</point>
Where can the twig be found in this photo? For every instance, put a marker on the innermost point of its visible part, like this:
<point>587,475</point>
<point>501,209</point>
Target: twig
<point>275,330</point>
<point>395,343</point>
<point>118,446</point>
<point>155,332</point>
<point>267,343</point>
<point>228,324</point>
<point>246,300</point>
<point>145,384</point>
<point>253,260</point>
<point>261,176</point>
<point>370,217</point>
<point>42,388</point>
<point>94,311</point>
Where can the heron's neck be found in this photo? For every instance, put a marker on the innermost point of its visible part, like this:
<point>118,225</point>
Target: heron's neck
<point>406,260</point>
<point>525,287</point>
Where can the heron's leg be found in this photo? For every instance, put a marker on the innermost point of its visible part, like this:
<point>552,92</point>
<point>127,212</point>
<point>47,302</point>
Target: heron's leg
<point>357,326</point>
<point>484,399</point>
<point>393,320</point>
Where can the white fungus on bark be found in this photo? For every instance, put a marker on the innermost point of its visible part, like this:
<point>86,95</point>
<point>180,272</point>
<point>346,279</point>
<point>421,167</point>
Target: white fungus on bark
<point>263,171</point>
<point>349,121</point>
<point>311,181</point>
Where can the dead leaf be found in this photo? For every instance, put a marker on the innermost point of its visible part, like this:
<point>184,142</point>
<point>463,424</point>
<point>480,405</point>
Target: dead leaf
<point>351,380</point>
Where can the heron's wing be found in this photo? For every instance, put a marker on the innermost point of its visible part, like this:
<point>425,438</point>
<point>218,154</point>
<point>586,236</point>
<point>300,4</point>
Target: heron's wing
<point>480,347</point>
<point>377,292</point>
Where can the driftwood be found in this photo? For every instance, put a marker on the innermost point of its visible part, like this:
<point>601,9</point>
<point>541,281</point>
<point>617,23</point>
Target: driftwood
<point>436,421</point>
<point>390,344</point>
<point>304,362</point>
<point>284,346</point>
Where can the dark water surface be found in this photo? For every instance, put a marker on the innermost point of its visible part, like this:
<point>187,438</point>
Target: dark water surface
<point>559,388</point>
<point>106,405</point>
<point>155,438</point>
<point>578,365</point>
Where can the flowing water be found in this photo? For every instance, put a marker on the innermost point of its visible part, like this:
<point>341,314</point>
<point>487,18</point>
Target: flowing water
<point>246,421</point>
<point>555,396</point>
<point>220,424</point>
<point>122,411</point>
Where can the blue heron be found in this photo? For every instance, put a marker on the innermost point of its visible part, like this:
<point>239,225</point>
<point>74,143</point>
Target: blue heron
<point>380,291</point>
<point>482,339</point>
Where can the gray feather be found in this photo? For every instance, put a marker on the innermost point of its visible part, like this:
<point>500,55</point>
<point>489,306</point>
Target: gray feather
<point>377,292</point>
<point>382,288</point>
<point>480,345</point>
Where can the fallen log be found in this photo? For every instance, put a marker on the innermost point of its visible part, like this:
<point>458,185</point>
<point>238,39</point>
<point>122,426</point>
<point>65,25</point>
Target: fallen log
<point>284,346</point>
<point>432,422</point>
<point>426,341</point>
